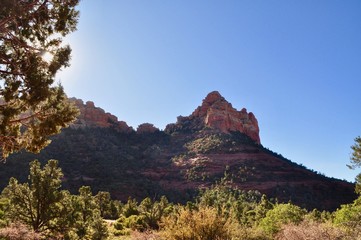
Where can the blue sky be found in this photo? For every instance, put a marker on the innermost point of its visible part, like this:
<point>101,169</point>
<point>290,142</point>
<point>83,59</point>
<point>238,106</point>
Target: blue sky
<point>295,64</point>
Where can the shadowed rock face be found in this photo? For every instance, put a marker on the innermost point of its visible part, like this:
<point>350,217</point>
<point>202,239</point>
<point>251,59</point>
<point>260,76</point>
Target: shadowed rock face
<point>215,112</point>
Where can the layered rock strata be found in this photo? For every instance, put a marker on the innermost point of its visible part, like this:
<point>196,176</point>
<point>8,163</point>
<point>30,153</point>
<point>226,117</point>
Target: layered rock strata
<point>217,113</point>
<point>92,116</point>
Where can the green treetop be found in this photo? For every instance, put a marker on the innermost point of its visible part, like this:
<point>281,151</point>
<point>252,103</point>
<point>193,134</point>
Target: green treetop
<point>356,161</point>
<point>38,204</point>
<point>32,108</point>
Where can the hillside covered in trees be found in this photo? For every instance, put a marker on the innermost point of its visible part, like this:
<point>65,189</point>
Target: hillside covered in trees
<point>190,155</point>
<point>40,209</point>
<point>205,177</point>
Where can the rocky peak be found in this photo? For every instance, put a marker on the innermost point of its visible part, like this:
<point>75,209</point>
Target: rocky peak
<point>213,97</point>
<point>215,112</point>
<point>92,116</point>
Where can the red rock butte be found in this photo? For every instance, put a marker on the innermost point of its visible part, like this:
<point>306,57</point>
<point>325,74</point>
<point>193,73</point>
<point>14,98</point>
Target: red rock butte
<point>92,116</point>
<point>219,114</point>
<point>216,113</point>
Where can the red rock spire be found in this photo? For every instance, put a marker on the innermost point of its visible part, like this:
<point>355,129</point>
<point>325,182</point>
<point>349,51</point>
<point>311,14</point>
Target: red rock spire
<point>219,114</point>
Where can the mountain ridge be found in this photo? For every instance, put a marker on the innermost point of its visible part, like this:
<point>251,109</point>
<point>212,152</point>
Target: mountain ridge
<point>197,151</point>
<point>214,112</point>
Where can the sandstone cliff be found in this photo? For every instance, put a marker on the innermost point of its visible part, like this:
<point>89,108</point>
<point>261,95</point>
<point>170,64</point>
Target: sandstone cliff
<point>215,112</point>
<point>92,116</point>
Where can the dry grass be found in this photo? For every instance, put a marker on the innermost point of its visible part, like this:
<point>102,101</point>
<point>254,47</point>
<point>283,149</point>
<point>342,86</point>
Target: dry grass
<point>135,235</point>
<point>18,231</point>
<point>310,231</point>
<point>204,223</point>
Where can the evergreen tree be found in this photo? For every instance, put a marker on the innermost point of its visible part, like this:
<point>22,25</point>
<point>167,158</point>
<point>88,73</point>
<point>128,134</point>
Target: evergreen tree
<point>356,161</point>
<point>152,212</point>
<point>348,216</point>
<point>32,108</point>
<point>49,211</point>
<point>39,204</point>
<point>88,223</point>
<point>281,214</point>
<point>104,204</point>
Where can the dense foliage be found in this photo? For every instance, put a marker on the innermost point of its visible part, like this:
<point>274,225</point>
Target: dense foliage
<point>39,209</point>
<point>39,206</point>
<point>39,202</point>
<point>156,164</point>
<point>32,108</point>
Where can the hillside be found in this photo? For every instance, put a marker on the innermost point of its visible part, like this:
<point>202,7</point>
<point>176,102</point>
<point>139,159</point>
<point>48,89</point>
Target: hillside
<point>216,140</point>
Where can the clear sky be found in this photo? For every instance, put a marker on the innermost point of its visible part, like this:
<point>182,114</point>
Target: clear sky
<point>295,64</point>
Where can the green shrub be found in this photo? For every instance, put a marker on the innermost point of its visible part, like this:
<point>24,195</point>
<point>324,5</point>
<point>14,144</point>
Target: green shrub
<point>130,208</point>
<point>2,220</point>
<point>281,214</point>
<point>244,207</point>
<point>123,232</point>
<point>135,222</point>
<point>348,217</point>
<point>119,224</point>
<point>153,211</point>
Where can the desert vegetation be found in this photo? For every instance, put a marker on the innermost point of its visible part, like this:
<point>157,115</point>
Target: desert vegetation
<point>40,209</point>
<point>33,109</point>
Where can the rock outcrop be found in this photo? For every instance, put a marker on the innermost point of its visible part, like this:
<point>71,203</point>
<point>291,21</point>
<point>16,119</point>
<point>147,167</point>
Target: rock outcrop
<point>146,128</point>
<point>92,116</point>
<point>215,112</point>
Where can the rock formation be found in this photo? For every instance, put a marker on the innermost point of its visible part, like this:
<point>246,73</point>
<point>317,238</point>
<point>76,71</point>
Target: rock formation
<point>189,155</point>
<point>215,112</point>
<point>92,116</point>
<point>146,128</point>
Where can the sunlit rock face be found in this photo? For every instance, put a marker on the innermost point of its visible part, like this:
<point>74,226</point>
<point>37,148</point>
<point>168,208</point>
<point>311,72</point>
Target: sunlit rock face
<point>92,116</point>
<point>217,113</point>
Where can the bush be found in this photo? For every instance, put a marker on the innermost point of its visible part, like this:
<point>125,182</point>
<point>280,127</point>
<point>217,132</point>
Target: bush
<point>135,222</point>
<point>118,228</point>
<point>2,220</point>
<point>152,212</point>
<point>99,229</point>
<point>234,203</point>
<point>281,214</point>
<point>130,208</point>
<point>348,217</point>
<point>202,224</point>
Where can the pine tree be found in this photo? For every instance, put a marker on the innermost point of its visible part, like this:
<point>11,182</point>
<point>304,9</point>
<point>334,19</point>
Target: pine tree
<point>32,107</point>
<point>40,203</point>
<point>356,161</point>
